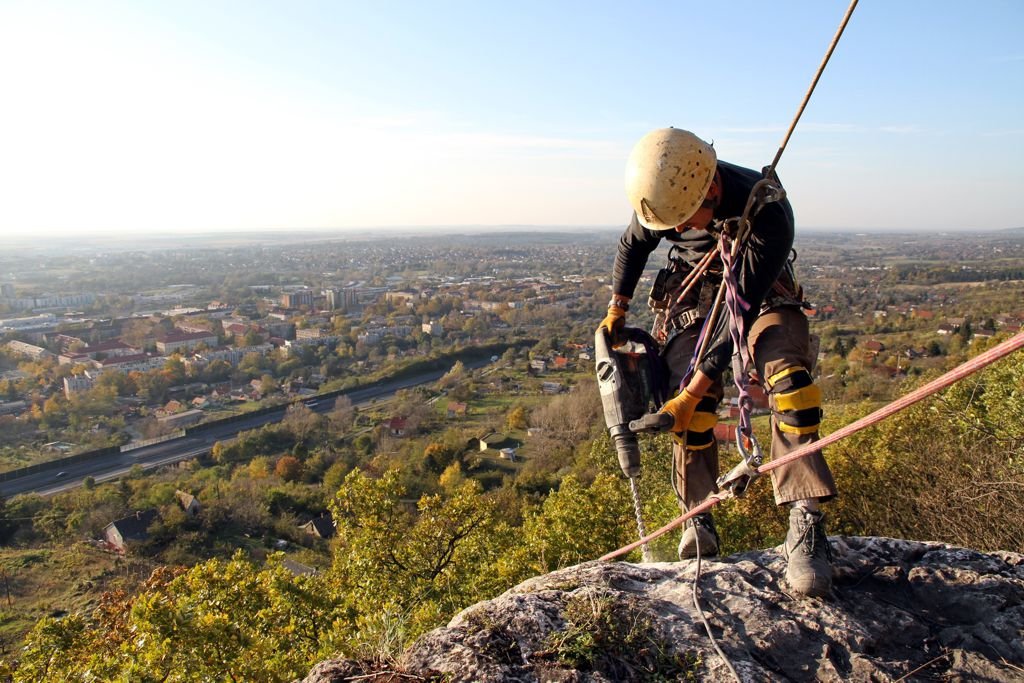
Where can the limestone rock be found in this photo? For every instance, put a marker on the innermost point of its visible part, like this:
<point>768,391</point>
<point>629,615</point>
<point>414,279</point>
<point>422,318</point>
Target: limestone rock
<point>897,607</point>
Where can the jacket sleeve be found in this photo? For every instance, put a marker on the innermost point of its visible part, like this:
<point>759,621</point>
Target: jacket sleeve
<point>761,261</point>
<point>635,246</point>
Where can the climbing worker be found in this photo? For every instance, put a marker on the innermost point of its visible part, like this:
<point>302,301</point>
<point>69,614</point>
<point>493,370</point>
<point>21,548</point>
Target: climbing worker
<point>680,192</point>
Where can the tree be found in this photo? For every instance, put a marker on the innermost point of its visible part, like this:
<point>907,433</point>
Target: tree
<point>54,411</point>
<point>305,425</point>
<point>453,376</point>
<point>452,478</point>
<point>152,386</point>
<point>251,338</point>
<point>516,419</point>
<point>965,332</point>
<point>437,457</point>
<point>245,623</point>
<point>259,467</point>
<point>343,414</point>
<point>289,468</point>
<point>217,371</point>
<point>423,564</point>
<point>334,477</point>
<point>268,384</point>
<point>174,370</point>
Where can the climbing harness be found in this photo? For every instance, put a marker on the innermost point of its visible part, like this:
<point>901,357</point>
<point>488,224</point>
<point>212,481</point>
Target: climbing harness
<point>679,300</point>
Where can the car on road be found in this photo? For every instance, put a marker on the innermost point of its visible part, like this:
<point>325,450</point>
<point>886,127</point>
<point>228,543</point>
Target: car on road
<point>60,474</point>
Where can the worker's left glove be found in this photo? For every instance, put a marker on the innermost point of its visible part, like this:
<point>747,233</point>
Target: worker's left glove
<point>674,416</point>
<point>614,323</point>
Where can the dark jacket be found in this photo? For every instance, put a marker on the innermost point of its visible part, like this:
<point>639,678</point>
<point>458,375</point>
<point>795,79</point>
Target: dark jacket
<point>763,257</point>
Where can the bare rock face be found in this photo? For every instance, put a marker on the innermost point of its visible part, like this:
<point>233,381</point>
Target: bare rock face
<point>898,609</point>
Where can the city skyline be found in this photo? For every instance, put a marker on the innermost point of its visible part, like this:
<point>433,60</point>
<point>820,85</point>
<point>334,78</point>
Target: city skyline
<point>128,118</point>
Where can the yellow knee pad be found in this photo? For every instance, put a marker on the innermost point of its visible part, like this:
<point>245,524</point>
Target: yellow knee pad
<point>796,401</point>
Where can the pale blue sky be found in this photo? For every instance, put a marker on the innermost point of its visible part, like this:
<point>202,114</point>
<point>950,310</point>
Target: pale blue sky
<point>184,116</point>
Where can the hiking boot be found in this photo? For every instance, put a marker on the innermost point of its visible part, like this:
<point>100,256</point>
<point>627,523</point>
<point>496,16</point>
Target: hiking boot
<point>809,555</point>
<point>701,527</point>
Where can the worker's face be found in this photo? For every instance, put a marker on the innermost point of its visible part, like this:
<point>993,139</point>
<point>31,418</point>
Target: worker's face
<point>698,221</point>
<point>702,219</point>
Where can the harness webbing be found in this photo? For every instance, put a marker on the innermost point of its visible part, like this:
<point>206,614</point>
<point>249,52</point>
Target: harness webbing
<point>737,307</point>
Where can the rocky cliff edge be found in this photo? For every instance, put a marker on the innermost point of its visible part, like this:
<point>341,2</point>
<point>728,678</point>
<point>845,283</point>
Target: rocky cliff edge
<point>899,610</point>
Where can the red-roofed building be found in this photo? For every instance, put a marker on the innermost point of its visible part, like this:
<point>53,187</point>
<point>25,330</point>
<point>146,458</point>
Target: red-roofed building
<point>396,426</point>
<point>178,339</point>
<point>107,349</point>
<point>237,329</point>
<point>112,347</point>
<point>456,409</point>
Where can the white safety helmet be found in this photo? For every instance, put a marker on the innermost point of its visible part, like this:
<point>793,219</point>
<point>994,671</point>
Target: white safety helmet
<point>668,175</point>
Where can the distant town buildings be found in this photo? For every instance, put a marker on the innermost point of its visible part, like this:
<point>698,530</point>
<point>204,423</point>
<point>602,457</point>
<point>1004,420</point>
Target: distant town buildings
<point>230,355</point>
<point>46,300</point>
<point>77,383</point>
<point>311,333</point>
<point>297,299</point>
<point>373,335</point>
<point>137,363</point>
<point>401,298</point>
<point>111,348</point>
<point>31,322</point>
<point>310,339</point>
<point>343,300</point>
<point>29,350</point>
<point>179,339</point>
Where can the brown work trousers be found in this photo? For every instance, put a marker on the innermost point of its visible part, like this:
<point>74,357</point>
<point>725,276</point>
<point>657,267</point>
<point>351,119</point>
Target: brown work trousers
<point>778,340</point>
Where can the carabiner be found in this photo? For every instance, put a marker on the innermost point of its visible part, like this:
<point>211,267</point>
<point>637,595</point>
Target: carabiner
<point>752,454</point>
<point>739,478</point>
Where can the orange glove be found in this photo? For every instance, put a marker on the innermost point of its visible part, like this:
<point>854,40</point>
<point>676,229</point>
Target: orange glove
<point>681,407</point>
<point>614,323</point>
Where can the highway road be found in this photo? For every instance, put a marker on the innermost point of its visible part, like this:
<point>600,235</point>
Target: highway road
<point>114,465</point>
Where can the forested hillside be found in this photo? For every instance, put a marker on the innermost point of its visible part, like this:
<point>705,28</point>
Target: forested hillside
<point>425,529</point>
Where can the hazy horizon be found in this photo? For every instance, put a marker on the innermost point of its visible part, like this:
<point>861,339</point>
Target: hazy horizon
<point>215,239</point>
<point>255,116</point>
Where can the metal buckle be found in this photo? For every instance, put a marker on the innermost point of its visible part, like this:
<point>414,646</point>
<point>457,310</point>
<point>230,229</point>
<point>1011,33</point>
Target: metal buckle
<point>739,478</point>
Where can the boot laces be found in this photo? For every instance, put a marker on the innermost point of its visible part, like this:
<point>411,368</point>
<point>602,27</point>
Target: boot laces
<point>703,522</point>
<point>812,537</point>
